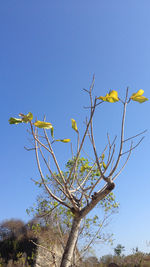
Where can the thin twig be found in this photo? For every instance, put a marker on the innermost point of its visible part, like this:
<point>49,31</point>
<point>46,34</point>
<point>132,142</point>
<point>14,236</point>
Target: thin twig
<point>122,136</point>
<point>123,164</point>
<point>43,181</point>
<point>29,149</point>
<point>133,146</point>
<point>81,145</point>
<point>52,252</point>
<point>51,173</point>
<point>134,136</point>
<point>60,173</point>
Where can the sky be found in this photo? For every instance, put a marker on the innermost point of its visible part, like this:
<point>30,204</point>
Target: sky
<point>49,51</point>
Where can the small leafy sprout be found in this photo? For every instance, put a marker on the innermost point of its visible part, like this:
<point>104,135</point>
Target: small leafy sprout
<point>104,165</point>
<point>103,156</point>
<point>74,125</point>
<point>15,121</point>
<point>25,118</point>
<point>112,97</point>
<point>52,132</point>
<point>139,96</point>
<point>40,124</point>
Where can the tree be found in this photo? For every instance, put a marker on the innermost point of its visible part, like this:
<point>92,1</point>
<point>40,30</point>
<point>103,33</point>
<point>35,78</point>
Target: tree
<point>119,249</point>
<point>80,196</point>
<point>49,213</point>
<point>15,245</point>
<point>11,228</point>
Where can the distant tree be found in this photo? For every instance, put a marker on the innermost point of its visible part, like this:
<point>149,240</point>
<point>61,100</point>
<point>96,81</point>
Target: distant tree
<point>135,250</point>
<point>15,245</point>
<point>11,228</point>
<point>91,262</point>
<point>81,195</point>
<point>119,249</point>
<point>106,259</point>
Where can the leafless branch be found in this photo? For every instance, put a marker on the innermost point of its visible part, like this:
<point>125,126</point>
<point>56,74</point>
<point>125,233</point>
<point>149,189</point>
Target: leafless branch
<point>51,251</point>
<point>81,145</point>
<point>135,136</point>
<point>133,146</point>
<point>51,173</point>
<point>45,214</point>
<point>60,173</point>
<point>124,163</point>
<point>29,149</point>
<point>83,251</point>
<point>43,181</point>
<point>54,158</point>
<point>122,136</point>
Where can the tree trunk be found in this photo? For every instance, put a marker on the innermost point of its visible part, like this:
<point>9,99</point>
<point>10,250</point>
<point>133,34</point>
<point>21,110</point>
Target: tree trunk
<point>70,246</point>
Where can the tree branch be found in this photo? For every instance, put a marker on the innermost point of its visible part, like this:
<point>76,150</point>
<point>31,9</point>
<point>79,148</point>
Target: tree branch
<point>122,135</point>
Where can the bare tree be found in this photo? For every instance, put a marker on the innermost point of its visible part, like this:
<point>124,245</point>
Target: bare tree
<point>81,195</point>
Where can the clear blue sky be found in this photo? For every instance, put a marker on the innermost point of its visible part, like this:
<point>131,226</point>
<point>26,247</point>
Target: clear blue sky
<point>49,51</point>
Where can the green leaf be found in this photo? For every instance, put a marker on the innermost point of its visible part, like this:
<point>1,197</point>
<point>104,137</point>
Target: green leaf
<point>85,167</point>
<point>15,120</point>
<point>104,165</point>
<point>103,156</point>
<point>74,125</point>
<point>52,132</point>
<point>63,140</point>
<point>26,118</point>
<point>43,124</point>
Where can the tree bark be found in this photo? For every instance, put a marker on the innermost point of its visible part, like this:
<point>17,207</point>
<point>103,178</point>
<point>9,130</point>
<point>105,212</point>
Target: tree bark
<point>70,246</point>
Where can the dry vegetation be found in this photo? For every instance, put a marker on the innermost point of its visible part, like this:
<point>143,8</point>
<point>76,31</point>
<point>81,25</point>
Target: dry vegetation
<point>18,247</point>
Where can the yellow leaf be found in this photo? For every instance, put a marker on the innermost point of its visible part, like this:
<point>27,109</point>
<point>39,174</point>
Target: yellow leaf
<point>138,96</point>
<point>85,167</point>
<point>74,125</point>
<point>139,93</point>
<point>140,99</point>
<point>63,140</point>
<point>43,124</point>
<point>82,169</point>
<point>26,118</point>
<point>103,156</point>
<point>112,97</point>
<point>104,165</point>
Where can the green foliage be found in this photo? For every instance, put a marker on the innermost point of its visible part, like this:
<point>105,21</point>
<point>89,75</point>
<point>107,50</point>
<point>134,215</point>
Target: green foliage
<point>109,203</point>
<point>15,245</point>
<point>118,250</point>
<point>39,124</point>
<point>51,211</point>
<point>25,118</point>
<point>15,120</point>
<point>77,186</point>
<point>52,132</point>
